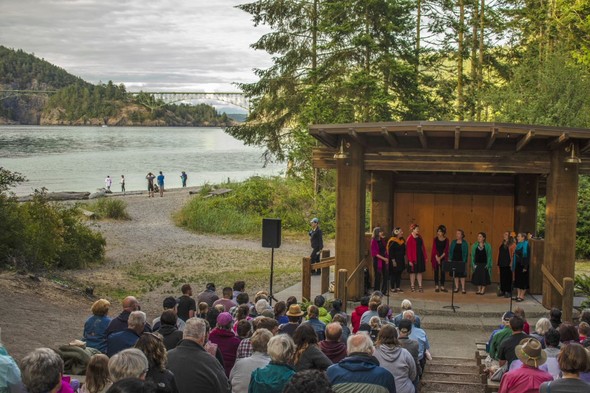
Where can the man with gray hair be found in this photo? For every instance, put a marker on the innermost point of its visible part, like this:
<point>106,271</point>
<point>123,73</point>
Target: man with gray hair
<point>127,338</point>
<point>130,304</point>
<point>419,335</point>
<point>406,305</point>
<point>193,367</point>
<point>360,372</point>
<point>42,370</point>
<point>129,363</point>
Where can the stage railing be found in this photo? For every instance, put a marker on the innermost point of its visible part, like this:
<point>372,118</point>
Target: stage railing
<point>324,265</point>
<point>566,290</point>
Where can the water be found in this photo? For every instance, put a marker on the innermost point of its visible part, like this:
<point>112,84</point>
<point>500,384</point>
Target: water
<point>80,158</point>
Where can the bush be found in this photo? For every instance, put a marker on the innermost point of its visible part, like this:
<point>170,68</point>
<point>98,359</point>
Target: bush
<point>242,211</point>
<point>113,208</point>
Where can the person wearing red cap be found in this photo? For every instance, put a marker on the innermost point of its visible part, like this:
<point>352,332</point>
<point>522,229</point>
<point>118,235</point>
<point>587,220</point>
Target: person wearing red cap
<point>226,340</point>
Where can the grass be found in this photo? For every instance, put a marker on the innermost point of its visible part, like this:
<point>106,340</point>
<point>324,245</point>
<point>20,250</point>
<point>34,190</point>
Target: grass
<point>110,208</point>
<point>583,267</point>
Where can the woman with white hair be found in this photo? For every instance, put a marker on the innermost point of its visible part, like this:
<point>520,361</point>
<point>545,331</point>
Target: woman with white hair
<point>278,372</point>
<point>543,325</point>
<point>405,306</point>
<point>42,371</point>
<point>129,363</point>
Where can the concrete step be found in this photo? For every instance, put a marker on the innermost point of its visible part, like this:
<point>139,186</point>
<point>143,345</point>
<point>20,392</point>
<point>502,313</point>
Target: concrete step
<point>452,361</point>
<point>451,387</point>
<point>451,377</point>
<point>452,322</point>
<point>451,368</point>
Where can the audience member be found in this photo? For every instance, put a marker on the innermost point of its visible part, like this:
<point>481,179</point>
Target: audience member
<point>520,312</point>
<point>42,371</point>
<point>95,327</point>
<point>395,359</point>
<point>10,380</point>
<point>226,340</point>
<point>242,313</point>
<point>132,385</point>
<point>208,295</point>
<point>211,348</point>
<point>405,306</point>
<point>355,317</point>
<point>308,381</point>
<point>245,348</point>
<point>187,306</point>
<point>500,335</point>
<point>170,334</point>
<point>506,351</point>
<point>337,309</point>
<point>212,315</point>
<point>555,317</point>
<point>203,310</point>
<point>528,378</point>
<point>242,300</point>
<point>280,310</point>
<point>152,346</point>
<point>412,346</point>
<point>541,327</point>
<point>97,375</point>
<point>127,338</point>
<point>332,346</point>
<point>552,350</point>
<point>129,363</point>
<point>261,307</point>
<point>572,360</point>
<point>583,332</point>
<point>313,319</point>
<point>244,329</point>
<point>374,328</point>
<point>504,323</point>
<point>242,371</point>
<point>291,300</point>
<point>568,333</point>
<point>374,303</point>
<point>384,313</point>
<point>274,376</point>
<point>170,304</point>
<point>585,316</point>
<point>239,287</point>
<point>118,324</point>
<point>342,320</point>
<point>294,314</point>
<point>226,301</point>
<point>360,371</point>
<point>308,354</point>
<point>323,314</point>
<point>192,366</point>
<point>419,335</point>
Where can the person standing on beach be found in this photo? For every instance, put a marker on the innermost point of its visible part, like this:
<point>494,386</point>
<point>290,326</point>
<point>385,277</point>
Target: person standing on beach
<point>150,178</point>
<point>183,177</point>
<point>122,181</point>
<point>108,182</point>
<point>161,183</point>
<point>317,242</point>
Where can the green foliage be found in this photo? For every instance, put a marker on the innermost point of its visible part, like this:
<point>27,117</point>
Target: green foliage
<point>9,179</point>
<point>112,208</point>
<point>582,288</point>
<point>241,211</point>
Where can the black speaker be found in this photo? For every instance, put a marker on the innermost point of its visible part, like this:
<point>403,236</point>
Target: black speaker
<point>271,232</point>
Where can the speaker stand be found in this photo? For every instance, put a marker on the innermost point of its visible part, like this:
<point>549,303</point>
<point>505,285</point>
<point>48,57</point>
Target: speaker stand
<point>272,268</point>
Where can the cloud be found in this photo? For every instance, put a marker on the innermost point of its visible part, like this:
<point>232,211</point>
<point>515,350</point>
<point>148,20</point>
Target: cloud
<point>149,43</point>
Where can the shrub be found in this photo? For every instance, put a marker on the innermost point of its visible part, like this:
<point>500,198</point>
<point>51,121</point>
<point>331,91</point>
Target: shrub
<point>113,208</point>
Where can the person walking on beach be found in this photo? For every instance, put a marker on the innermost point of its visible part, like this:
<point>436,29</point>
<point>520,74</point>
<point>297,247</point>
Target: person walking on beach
<point>317,242</point>
<point>161,183</point>
<point>122,181</point>
<point>108,182</point>
<point>150,178</point>
<point>183,177</point>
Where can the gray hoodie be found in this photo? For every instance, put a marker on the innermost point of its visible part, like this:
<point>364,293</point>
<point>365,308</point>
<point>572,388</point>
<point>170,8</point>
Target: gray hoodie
<point>400,363</point>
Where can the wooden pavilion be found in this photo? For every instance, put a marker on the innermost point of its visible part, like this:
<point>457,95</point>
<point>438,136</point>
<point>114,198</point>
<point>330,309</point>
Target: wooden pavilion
<point>475,176</point>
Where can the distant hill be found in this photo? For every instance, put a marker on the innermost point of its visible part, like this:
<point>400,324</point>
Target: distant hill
<point>78,102</point>
<point>239,117</point>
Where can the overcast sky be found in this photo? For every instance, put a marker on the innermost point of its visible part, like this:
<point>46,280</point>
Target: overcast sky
<point>190,45</point>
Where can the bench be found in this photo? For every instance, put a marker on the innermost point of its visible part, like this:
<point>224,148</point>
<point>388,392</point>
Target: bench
<point>480,356</point>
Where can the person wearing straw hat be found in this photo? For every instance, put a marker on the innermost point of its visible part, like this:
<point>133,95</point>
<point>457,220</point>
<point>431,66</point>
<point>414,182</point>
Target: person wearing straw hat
<point>294,314</point>
<point>529,377</point>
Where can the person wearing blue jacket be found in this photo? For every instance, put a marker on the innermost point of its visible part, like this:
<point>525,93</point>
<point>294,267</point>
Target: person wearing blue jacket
<point>360,372</point>
<point>520,266</point>
<point>95,327</point>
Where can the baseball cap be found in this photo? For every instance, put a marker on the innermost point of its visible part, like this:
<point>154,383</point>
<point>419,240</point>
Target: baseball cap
<point>169,302</point>
<point>507,315</point>
<point>314,220</point>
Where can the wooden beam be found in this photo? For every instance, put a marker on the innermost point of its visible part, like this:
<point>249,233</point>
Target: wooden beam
<point>558,141</point>
<point>492,138</point>
<point>390,138</point>
<point>457,137</point>
<point>525,140</point>
<point>422,137</point>
<point>358,138</point>
<point>585,147</point>
<point>328,139</point>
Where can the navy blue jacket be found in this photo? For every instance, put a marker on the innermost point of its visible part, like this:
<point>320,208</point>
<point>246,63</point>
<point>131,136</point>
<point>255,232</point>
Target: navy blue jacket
<point>119,341</point>
<point>360,373</point>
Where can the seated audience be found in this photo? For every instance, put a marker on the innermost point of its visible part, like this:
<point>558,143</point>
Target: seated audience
<point>132,385</point>
<point>568,333</point>
<point>323,314</point>
<point>244,329</point>
<point>208,295</point>
<point>412,346</point>
<point>192,366</point>
<point>341,319</point>
<point>307,353</point>
<point>504,324</point>
<point>552,350</point>
<point>211,348</point>
<point>498,338</point>
<point>97,375</point>
<point>528,378</point>
<point>129,363</point>
<point>274,376</point>
<point>152,346</point>
<point>405,306</point>
<point>337,309</point>
<point>127,338</point>
<point>118,324</point>
<point>280,311</point>
<point>42,371</point>
<point>243,313</point>
<point>203,310</point>
<point>308,381</point>
<point>239,287</point>
<point>583,332</point>
<point>384,313</point>
<point>355,317</point>
<point>555,317</point>
<point>261,307</point>
<point>171,335</point>
<point>360,372</point>
<point>242,370</point>
<point>419,335</point>
<point>395,359</point>
<point>520,312</point>
<point>212,315</point>
<point>170,304</point>
<point>187,307</point>
<point>226,340</point>
<point>375,327</point>
<point>506,351</point>
<point>226,301</point>
<point>572,360</point>
<point>541,327</point>
<point>95,327</point>
<point>374,304</point>
<point>313,320</point>
<point>245,348</point>
<point>294,314</point>
<point>242,300</point>
<point>332,346</point>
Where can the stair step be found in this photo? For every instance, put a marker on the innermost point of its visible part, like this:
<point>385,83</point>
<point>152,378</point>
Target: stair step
<point>446,322</point>
<point>451,377</point>
<point>452,361</point>
<point>451,387</point>
<point>451,368</point>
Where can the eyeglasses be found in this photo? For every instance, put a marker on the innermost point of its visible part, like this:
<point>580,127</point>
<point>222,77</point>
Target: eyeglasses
<point>156,335</point>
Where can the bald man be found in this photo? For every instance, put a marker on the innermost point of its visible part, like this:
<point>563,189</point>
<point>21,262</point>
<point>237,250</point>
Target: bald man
<point>332,346</point>
<point>120,323</point>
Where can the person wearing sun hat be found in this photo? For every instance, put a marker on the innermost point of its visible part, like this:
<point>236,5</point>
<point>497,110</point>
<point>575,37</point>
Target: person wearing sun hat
<point>529,377</point>
<point>294,314</point>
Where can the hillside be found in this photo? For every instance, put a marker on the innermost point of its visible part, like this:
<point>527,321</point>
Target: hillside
<point>78,102</point>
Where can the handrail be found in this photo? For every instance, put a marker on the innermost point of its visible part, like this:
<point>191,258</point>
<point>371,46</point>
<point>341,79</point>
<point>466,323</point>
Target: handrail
<point>361,265</point>
<point>552,280</point>
<point>566,291</point>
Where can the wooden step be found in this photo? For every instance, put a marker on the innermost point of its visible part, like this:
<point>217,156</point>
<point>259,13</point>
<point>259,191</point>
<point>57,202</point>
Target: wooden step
<point>451,387</point>
<point>452,360</point>
<point>451,377</point>
<point>452,368</point>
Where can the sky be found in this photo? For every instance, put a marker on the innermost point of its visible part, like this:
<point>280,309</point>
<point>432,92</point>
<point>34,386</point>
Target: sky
<point>149,45</point>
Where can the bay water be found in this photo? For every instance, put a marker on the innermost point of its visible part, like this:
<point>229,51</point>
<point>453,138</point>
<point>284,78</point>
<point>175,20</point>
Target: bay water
<point>80,158</point>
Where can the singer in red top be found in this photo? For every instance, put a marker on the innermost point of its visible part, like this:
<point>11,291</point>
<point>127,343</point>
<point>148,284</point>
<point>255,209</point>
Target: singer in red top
<point>416,257</point>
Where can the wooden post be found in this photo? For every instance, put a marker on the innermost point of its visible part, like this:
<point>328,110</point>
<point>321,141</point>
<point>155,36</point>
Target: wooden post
<point>340,291</point>
<point>382,200</point>
<point>560,224</point>
<point>567,305</point>
<point>525,203</point>
<point>537,248</point>
<point>325,274</point>
<point>350,214</point>
<point>306,278</point>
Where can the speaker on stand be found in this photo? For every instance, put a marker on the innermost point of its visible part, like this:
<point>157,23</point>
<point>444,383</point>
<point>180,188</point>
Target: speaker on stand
<point>271,238</point>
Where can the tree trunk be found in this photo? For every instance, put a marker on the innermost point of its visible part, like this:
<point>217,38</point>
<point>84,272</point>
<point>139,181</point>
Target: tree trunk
<point>481,54</point>
<point>460,61</point>
<point>475,92</point>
